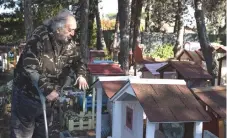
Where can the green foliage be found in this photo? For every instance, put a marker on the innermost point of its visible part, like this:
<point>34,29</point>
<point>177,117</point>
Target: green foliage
<point>111,16</point>
<point>218,41</point>
<point>108,55</point>
<point>93,36</point>
<point>11,24</point>
<point>163,52</point>
<point>43,12</point>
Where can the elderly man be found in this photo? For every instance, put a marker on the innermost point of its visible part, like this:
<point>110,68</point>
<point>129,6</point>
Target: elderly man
<point>50,53</point>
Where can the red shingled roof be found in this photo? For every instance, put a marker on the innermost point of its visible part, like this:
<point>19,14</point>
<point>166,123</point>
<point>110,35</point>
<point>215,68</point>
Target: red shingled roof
<point>188,69</point>
<point>105,69</point>
<point>169,103</point>
<point>214,98</point>
<point>97,53</point>
<point>195,56</point>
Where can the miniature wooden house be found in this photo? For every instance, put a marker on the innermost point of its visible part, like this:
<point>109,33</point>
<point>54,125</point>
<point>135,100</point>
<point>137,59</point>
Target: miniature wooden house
<point>111,87</point>
<point>96,54</point>
<point>219,52</point>
<point>164,102</point>
<point>138,60</point>
<point>96,70</point>
<point>213,100</point>
<point>192,73</point>
<point>150,71</point>
<point>195,56</point>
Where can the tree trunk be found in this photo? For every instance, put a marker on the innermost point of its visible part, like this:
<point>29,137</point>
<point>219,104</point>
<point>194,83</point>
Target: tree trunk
<point>132,22</point>
<point>123,10</point>
<point>180,29</point>
<point>148,15</point>
<point>84,28</point>
<point>116,31</point>
<point>203,39</point>
<point>100,38</point>
<point>132,26</point>
<point>114,45</point>
<point>91,22</point>
<point>139,5</point>
<point>177,16</point>
<point>28,22</point>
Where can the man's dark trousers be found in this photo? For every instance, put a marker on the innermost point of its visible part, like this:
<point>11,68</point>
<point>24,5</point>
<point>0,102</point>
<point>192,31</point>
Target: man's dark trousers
<point>27,119</point>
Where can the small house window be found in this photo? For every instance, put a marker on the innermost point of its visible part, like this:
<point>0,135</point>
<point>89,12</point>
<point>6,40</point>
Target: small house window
<point>129,117</point>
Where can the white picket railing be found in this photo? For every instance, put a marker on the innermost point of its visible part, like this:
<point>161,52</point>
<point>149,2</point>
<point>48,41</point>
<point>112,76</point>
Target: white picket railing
<point>80,122</point>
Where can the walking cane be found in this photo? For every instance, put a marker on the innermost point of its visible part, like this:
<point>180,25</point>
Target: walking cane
<point>35,79</point>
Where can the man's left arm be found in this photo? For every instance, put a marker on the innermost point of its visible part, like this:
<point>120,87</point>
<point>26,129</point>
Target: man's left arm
<point>80,68</point>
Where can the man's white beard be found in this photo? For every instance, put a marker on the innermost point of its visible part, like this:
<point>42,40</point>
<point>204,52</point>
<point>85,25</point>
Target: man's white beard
<point>61,38</point>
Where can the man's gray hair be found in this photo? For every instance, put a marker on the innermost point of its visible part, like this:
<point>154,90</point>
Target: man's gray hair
<point>59,21</point>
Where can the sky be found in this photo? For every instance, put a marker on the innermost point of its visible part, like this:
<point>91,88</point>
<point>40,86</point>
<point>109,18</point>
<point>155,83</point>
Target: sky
<point>106,6</point>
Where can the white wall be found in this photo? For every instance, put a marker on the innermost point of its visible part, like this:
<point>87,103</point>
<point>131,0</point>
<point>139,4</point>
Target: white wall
<point>223,72</point>
<point>137,124</point>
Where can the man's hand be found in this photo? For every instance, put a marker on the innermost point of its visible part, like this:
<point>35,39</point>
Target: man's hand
<point>52,96</point>
<point>82,83</point>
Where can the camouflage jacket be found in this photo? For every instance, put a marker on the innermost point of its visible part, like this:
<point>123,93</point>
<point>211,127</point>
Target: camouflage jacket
<point>43,55</point>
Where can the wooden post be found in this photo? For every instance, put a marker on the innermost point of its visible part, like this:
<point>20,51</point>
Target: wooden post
<point>117,120</point>
<point>139,121</point>
<point>198,130</point>
<point>161,75</point>
<point>93,103</point>
<point>219,72</point>
<point>84,102</point>
<point>221,129</point>
<point>99,112</point>
<point>150,129</point>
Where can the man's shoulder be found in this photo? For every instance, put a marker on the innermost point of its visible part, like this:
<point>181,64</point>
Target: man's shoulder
<point>41,32</point>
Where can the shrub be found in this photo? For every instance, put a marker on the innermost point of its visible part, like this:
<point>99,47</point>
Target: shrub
<point>163,52</point>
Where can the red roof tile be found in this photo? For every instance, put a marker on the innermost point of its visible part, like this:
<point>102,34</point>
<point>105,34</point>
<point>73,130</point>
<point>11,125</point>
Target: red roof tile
<point>190,56</point>
<point>138,56</point>
<point>169,103</point>
<point>97,53</point>
<point>188,69</point>
<point>112,87</point>
<point>105,69</point>
<point>214,98</point>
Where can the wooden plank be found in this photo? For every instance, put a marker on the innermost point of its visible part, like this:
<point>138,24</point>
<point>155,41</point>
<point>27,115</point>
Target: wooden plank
<point>219,98</point>
<point>187,97</point>
<point>216,101</point>
<point>189,70</point>
<point>180,95</point>
<point>202,111</point>
<point>166,97</point>
<point>146,95</point>
<point>160,115</point>
<point>220,111</point>
<point>221,129</point>
<point>185,114</point>
<point>205,89</point>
